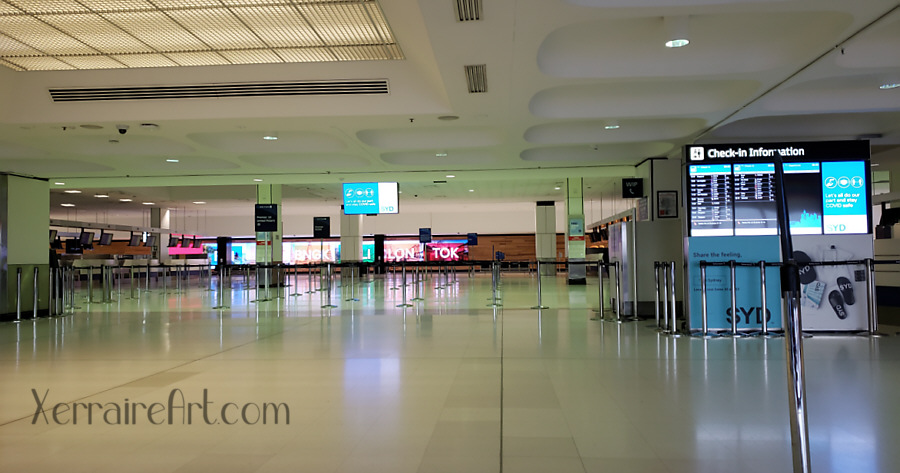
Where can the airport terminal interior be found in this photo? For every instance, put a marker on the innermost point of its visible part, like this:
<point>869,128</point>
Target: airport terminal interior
<point>450,236</point>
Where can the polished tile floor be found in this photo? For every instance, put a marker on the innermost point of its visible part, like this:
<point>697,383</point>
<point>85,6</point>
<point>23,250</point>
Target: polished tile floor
<point>451,384</point>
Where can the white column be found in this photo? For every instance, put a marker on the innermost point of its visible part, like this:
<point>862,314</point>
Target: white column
<point>160,218</point>
<point>575,230</point>
<point>545,234</point>
<point>24,242</point>
<point>351,238</point>
<point>268,244</point>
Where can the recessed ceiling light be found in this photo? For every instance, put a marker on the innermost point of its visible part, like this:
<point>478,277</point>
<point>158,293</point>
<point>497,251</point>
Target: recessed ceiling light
<point>889,86</point>
<point>72,191</point>
<point>199,202</point>
<point>450,176</point>
<point>148,203</point>
<point>557,188</point>
<point>270,137</point>
<point>448,117</point>
<point>67,205</point>
<point>124,200</point>
<point>150,126</point>
<point>59,183</point>
<point>677,43</point>
<point>440,155</point>
<point>101,196</point>
<point>92,127</point>
<point>257,180</point>
<point>172,160</point>
<point>471,190</point>
<point>113,141</point>
<point>677,31</point>
<point>611,126</point>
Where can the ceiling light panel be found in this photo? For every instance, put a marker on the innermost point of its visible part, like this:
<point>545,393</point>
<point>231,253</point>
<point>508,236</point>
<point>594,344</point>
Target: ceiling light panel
<point>166,33</point>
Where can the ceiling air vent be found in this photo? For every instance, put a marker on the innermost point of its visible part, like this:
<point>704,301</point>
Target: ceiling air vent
<point>476,78</point>
<point>205,91</point>
<point>468,10</point>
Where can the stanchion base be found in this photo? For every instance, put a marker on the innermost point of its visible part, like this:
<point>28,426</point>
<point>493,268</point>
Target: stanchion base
<point>329,306</point>
<point>404,305</point>
<point>260,300</point>
<point>351,300</point>
<point>296,294</point>
<point>417,299</point>
<point>495,304</point>
<point>874,334</point>
<point>310,292</point>
<point>613,321</point>
<point>540,307</point>
<point>222,307</point>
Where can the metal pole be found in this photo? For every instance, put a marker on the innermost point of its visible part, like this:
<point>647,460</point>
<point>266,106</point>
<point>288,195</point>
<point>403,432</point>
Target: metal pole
<point>732,268</point>
<point>403,272</point>
<point>763,299</point>
<point>18,294</point>
<point>600,289</point>
<point>90,284</point>
<point>51,306</point>
<point>618,294</point>
<point>672,327</point>
<point>656,281</point>
<point>665,296</point>
<point>310,278</point>
<point>796,379</point>
<point>540,305</point>
<point>703,313</point>
<point>328,304</point>
<point>34,294</point>
<point>870,300</point>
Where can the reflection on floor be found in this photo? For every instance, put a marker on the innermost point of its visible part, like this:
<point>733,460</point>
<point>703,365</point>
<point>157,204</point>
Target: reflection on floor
<point>452,384</point>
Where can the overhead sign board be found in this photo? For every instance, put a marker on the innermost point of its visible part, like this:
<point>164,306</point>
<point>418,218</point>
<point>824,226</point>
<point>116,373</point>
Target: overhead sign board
<point>322,227</point>
<point>266,217</point>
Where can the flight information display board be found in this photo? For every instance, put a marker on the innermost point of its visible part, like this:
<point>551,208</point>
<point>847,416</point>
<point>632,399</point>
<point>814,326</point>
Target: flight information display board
<point>732,188</point>
<point>712,212</point>
<point>755,209</point>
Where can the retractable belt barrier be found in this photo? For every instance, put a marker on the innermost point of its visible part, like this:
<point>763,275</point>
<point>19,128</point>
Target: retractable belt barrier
<point>869,264</point>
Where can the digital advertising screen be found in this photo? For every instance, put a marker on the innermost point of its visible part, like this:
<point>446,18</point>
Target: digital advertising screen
<point>844,197</point>
<point>371,198</point>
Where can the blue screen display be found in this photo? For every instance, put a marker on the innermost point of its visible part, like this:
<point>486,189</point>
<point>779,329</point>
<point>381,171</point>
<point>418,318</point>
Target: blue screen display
<point>370,198</point>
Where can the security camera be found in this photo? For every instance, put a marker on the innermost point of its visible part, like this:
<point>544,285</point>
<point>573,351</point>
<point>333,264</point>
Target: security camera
<point>122,129</point>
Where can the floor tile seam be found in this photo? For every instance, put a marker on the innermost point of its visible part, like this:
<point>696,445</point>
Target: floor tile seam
<point>177,366</point>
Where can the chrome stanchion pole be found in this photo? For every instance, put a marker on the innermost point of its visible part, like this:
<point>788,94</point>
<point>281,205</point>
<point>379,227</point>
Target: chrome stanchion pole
<point>673,327</point>
<point>796,378</point>
<point>18,295</point>
<point>296,281</point>
<point>51,306</point>
<point>665,296</point>
<point>732,267</point>
<point>328,304</point>
<point>703,310</point>
<point>600,290</point>
<point>618,293</point>
<point>763,299</point>
<point>34,295</point>
<point>403,286</point>
<point>353,270</point>
<point>90,284</point>
<point>656,296</point>
<point>540,305</point>
<point>309,283</point>
<point>417,282</point>
<point>871,305</point>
